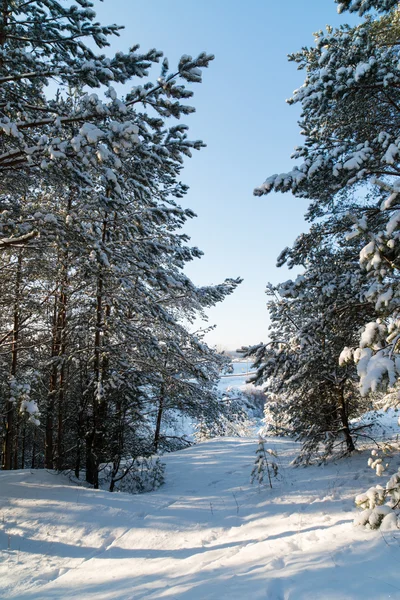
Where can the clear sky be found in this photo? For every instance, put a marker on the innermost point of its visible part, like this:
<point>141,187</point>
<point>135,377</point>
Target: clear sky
<point>250,133</point>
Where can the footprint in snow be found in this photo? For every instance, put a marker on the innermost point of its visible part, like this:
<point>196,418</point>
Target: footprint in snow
<point>277,563</point>
<point>293,547</point>
<point>213,536</point>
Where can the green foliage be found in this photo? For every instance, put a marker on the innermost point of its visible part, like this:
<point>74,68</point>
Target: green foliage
<point>337,324</point>
<point>264,465</point>
<point>137,476</point>
<point>380,504</point>
<point>94,303</point>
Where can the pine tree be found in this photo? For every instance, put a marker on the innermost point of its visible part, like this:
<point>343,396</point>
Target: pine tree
<point>312,318</point>
<point>92,251</point>
<point>350,118</point>
<point>264,464</point>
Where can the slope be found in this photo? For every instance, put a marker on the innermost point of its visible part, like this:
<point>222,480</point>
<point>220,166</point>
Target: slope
<point>207,533</point>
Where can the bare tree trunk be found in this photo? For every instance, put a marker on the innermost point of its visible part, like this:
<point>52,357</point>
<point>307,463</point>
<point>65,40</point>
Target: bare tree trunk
<point>60,407</point>
<point>79,446</point>
<point>342,409</point>
<point>10,427</point>
<point>23,445</point>
<point>49,440</point>
<point>33,460</point>
<point>61,381</point>
<point>118,442</point>
<point>114,473</point>
<point>92,463</point>
<point>3,25</point>
<point>159,418</point>
<point>16,436</point>
<point>94,441</point>
<point>62,333</point>
<point>80,423</point>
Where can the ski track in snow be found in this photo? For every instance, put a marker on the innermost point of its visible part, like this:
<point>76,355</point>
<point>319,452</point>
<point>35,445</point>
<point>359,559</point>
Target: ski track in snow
<point>206,534</point>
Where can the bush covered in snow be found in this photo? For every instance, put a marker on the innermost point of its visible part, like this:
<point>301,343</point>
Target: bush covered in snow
<point>135,476</point>
<point>380,504</point>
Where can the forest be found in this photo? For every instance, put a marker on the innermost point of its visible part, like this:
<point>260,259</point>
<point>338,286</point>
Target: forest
<point>333,353</point>
<point>95,305</point>
<point>103,335</point>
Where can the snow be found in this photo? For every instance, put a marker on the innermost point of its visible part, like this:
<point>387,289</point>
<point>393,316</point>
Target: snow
<point>207,533</point>
<point>361,70</point>
<point>91,132</point>
<point>357,158</point>
<point>345,356</point>
<point>237,379</point>
<point>366,252</point>
<point>393,223</point>
<point>31,408</point>
<point>391,154</point>
<point>373,369</point>
<point>370,334</point>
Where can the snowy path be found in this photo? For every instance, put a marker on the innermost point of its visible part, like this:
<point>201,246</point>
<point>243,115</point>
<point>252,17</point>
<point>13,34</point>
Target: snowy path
<point>206,534</point>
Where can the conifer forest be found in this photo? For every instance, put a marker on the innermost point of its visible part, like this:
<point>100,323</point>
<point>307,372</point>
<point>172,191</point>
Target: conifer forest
<point>227,481</point>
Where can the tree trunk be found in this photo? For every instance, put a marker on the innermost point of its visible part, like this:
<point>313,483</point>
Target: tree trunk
<point>10,428</point>
<point>33,461</point>
<point>23,445</point>
<point>94,439</point>
<point>80,424</point>
<point>92,463</point>
<point>159,419</point>
<point>49,441</point>
<point>16,436</point>
<point>62,334</point>
<point>61,380</point>
<point>3,25</point>
<point>342,409</point>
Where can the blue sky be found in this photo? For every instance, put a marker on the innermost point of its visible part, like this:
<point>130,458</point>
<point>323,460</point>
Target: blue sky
<point>250,133</point>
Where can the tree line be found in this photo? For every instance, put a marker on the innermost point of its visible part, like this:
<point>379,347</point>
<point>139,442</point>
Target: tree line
<point>95,348</point>
<point>334,344</point>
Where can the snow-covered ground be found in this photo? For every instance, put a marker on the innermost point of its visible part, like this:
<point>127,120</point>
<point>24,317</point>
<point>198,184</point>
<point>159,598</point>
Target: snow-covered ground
<point>236,379</point>
<point>206,534</point>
